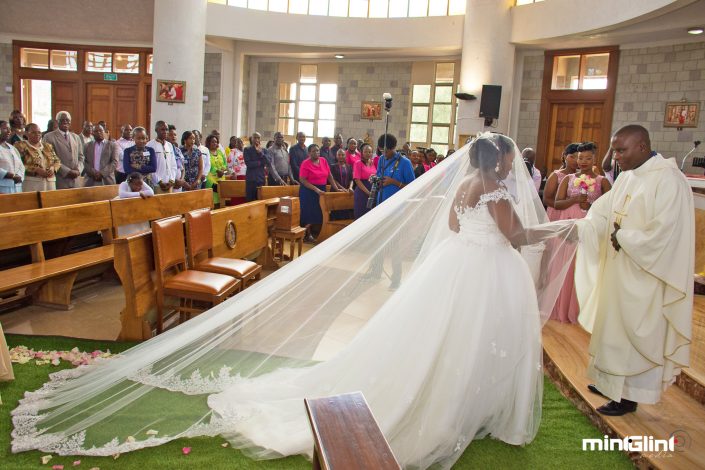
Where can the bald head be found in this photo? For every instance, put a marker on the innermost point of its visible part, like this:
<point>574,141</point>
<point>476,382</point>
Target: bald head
<point>632,146</point>
<point>638,132</point>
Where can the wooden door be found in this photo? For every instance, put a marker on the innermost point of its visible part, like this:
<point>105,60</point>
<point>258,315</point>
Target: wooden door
<point>573,122</point>
<point>64,97</point>
<point>100,103</point>
<point>125,108</point>
<point>115,104</point>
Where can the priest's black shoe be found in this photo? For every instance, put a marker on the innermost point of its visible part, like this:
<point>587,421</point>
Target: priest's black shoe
<point>617,408</point>
<point>596,390</point>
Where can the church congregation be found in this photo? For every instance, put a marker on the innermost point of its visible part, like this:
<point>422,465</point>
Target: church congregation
<point>381,243</point>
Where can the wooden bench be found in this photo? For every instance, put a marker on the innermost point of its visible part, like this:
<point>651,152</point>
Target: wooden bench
<point>346,435</point>
<point>334,202</point>
<point>18,202</point>
<point>231,188</point>
<point>51,280</point>
<point>268,192</point>
<point>134,256</point>
<point>66,197</point>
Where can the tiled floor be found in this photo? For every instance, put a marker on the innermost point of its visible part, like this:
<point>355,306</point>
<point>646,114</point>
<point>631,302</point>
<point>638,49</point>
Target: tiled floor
<point>95,315</point>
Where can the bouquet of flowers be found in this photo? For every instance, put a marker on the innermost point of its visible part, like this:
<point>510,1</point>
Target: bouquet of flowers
<point>585,184</point>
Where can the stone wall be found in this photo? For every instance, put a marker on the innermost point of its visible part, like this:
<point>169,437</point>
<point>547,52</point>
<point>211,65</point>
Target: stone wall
<point>267,99</point>
<point>6,81</point>
<point>648,79</point>
<point>530,101</point>
<point>357,82</point>
<point>211,89</point>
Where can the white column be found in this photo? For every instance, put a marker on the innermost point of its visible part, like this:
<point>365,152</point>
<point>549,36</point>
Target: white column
<point>487,59</point>
<point>179,46</point>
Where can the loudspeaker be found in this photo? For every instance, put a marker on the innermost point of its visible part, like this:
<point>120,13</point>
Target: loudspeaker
<point>489,101</point>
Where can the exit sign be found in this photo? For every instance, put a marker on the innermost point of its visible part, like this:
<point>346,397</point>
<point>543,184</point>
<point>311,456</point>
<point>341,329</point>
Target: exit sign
<point>110,77</point>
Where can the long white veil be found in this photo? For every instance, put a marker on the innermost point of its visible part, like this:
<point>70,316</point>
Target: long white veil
<point>304,314</point>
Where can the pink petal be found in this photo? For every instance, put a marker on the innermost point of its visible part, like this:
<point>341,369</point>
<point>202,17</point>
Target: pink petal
<point>57,467</point>
<point>186,450</point>
<point>76,463</point>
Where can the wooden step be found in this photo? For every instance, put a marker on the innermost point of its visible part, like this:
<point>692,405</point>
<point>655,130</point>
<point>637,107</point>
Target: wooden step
<point>693,378</point>
<point>566,360</point>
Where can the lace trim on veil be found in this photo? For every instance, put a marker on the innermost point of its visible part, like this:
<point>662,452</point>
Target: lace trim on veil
<point>26,418</point>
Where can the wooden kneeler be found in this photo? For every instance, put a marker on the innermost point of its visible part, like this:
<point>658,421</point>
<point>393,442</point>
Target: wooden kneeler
<point>187,284</point>
<point>346,435</point>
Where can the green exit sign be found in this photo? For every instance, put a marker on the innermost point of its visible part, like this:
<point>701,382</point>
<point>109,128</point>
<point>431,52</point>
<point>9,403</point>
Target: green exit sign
<point>110,77</point>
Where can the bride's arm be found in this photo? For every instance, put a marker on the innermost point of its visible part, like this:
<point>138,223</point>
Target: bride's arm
<point>511,227</point>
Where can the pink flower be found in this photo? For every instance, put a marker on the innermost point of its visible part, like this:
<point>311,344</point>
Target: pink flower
<point>57,467</point>
<point>185,450</point>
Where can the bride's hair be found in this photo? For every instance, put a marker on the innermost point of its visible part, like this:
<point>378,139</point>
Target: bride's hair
<point>486,150</point>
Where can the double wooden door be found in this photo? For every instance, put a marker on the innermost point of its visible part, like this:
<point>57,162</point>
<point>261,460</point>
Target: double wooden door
<point>574,122</point>
<point>115,104</point>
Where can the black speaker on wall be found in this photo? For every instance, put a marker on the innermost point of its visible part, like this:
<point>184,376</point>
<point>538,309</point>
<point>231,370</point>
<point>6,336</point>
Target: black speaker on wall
<point>489,102</point>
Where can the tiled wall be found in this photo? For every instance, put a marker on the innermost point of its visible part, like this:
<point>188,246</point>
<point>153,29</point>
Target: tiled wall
<point>651,77</point>
<point>530,103</point>
<point>267,99</point>
<point>211,88</point>
<point>362,81</point>
<point>245,93</point>
<point>357,82</point>
<point>5,81</point>
<point>648,78</point>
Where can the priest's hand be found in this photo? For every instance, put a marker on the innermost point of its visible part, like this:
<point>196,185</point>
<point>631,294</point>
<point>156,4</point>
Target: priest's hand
<point>613,237</point>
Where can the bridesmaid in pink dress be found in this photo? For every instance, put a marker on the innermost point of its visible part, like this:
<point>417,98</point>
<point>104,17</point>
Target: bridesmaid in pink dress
<point>576,194</point>
<point>570,165</point>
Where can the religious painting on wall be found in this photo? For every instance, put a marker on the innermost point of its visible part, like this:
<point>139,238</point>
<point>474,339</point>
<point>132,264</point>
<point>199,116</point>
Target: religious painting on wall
<point>371,110</point>
<point>681,114</point>
<point>171,91</point>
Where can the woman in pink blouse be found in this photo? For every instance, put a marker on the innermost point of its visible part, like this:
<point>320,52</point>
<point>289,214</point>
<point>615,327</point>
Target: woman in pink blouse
<point>313,176</point>
<point>362,170</point>
<point>352,154</point>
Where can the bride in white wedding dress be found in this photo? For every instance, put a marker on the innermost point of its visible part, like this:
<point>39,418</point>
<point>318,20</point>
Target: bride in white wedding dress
<point>452,355</point>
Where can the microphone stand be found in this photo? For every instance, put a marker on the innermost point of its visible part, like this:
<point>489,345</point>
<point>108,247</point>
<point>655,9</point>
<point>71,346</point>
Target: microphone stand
<point>695,145</point>
<point>383,158</point>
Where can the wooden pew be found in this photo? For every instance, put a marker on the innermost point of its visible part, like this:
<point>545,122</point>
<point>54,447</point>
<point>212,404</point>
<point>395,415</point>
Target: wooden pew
<point>134,257</point>
<point>346,435</point>
<point>231,188</point>
<point>268,192</point>
<point>66,197</point>
<point>54,278</point>
<point>18,202</point>
<point>135,210</point>
<point>334,202</point>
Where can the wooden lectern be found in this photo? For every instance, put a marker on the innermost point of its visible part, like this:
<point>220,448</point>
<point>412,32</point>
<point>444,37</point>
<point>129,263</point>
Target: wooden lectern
<point>288,214</point>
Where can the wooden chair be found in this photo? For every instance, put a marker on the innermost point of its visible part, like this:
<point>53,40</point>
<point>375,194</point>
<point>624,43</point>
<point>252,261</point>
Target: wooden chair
<point>346,435</point>
<point>187,285</point>
<point>199,238</point>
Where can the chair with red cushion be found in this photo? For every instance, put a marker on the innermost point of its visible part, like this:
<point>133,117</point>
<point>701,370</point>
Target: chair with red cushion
<point>174,279</point>
<point>199,241</point>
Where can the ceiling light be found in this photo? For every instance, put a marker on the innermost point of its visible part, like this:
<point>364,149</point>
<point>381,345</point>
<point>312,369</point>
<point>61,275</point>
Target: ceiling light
<point>695,30</point>
<point>339,56</point>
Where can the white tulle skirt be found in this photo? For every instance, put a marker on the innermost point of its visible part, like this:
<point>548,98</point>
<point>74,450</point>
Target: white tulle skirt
<point>454,355</point>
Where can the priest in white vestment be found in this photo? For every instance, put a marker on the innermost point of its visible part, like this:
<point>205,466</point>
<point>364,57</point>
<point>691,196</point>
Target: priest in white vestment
<point>634,276</point>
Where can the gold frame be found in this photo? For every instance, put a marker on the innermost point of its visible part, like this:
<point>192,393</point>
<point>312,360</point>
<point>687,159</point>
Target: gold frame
<point>166,84</point>
<point>371,110</point>
<point>674,111</point>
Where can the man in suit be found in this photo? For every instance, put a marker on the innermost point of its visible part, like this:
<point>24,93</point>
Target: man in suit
<point>101,159</point>
<point>67,146</point>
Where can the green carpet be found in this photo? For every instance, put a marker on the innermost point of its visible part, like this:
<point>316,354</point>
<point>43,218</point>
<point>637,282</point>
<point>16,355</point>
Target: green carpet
<point>557,446</point>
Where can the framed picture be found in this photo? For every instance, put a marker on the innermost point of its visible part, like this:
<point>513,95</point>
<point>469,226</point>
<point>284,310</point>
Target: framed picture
<point>171,91</point>
<point>681,114</point>
<point>371,110</point>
